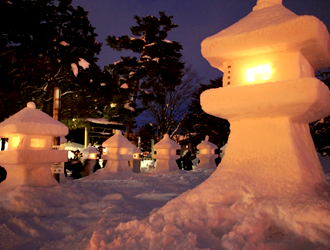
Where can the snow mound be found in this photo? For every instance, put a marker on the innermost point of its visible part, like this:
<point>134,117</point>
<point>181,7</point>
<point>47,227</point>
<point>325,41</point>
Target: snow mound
<point>233,215</point>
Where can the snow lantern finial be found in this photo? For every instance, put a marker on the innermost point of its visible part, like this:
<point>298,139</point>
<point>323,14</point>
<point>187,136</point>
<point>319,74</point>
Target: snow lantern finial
<point>31,105</point>
<point>266,3</point>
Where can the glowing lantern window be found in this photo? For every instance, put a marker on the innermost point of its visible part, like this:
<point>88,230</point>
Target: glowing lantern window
<point>38,143</point>
<point>14,141</point>
<point>92,156</point>
<point>259,73</point>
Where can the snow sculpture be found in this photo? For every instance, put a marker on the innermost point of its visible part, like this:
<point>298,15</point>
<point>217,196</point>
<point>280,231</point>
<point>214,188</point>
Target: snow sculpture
<point>207,154</point>
<point>29,155</point>
<point>166,154</point>
<point>119,151</point>
<point>89,153</point>
<point>270,93</point>
<point>269,191</point>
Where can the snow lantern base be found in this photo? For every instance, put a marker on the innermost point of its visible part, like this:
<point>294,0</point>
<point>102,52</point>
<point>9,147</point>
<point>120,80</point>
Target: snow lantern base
<point>32,175</point>
<point>270,137</point>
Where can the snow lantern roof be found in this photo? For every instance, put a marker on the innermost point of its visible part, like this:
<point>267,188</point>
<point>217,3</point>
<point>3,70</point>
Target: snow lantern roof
<point>166,142</point>
<point>206,144</point>
<point>270,28</point>
<point>32,121</point>
<point>117,141</point>
<point>90,150</point>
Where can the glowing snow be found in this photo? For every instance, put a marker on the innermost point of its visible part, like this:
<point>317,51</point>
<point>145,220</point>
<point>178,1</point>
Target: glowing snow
<point>166,154</point>
<point>245,204</point>
<point>27,160</point>
<point>118,152</point>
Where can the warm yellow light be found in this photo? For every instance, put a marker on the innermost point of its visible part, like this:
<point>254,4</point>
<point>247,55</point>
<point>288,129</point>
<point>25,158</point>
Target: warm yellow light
<point>14,141</point>
<point>259,73</point>
<point>38,143</point>
<point>204,151</point>
<point>92,156</point>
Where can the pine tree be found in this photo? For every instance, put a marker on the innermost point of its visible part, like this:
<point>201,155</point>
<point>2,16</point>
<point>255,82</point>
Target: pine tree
<point>158,66</point>
<point>47,44</point>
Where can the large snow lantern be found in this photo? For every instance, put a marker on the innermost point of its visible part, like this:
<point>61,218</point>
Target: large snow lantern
<point>166,154</point>
<point>30,153</point>
<point>270,93</point>
<point>206,154</point>
<point>270,44</point>
<point>118,152</point>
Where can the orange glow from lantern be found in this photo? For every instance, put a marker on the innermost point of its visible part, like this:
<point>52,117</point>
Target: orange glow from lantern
<point>14,141</point>
<point>136,155</point>
<point>259,73</point>
<point>204,151</point>
<point>38,143</point>
<point>92,156</point>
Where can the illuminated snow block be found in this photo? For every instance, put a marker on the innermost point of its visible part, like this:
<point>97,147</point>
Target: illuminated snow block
<point>166,154</point>
<point>29,155</point>
<point>207,154</point>
<point>270,94</point>
<point>293,46</point>
<point>119,151</point>
<point>266,68</point>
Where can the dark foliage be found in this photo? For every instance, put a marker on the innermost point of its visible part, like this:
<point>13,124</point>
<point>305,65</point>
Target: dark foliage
<point>40,41</point>
<point>198,124</point>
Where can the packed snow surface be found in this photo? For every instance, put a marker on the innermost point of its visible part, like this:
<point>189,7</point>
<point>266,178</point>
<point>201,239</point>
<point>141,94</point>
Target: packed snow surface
<point>164,210</point>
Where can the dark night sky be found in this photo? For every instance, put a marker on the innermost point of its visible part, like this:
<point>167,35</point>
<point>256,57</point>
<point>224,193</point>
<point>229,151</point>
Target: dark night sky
<point>197,19</point>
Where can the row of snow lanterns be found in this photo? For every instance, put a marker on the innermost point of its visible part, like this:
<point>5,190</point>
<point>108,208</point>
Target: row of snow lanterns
<point>30,150</point>
<point>119,151</point>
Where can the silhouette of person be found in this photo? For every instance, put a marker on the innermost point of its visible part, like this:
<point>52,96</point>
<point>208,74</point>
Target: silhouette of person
<point>3,174</point>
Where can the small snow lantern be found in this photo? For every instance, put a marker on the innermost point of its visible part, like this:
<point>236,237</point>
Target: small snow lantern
<point>30,153</point>
<point>207,154</point>
<point>119,151</point>
<point>166,154</point>
<point>89,157</point>
<point>90,152</point>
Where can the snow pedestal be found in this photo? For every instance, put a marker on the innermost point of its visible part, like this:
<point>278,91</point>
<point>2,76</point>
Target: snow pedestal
<point>29,155</point>
<point>207,154</point>
<point>270,136</point>
<point>119,151</point>
<point>89,157</point>
<point>166,154</point>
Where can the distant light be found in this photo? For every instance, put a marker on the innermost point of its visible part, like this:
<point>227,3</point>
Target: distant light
<point>92,156</point>
<point>259,73</point>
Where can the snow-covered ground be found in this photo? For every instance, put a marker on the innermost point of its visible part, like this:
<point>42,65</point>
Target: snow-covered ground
<point>70,215</point>
<point>110,210</point>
